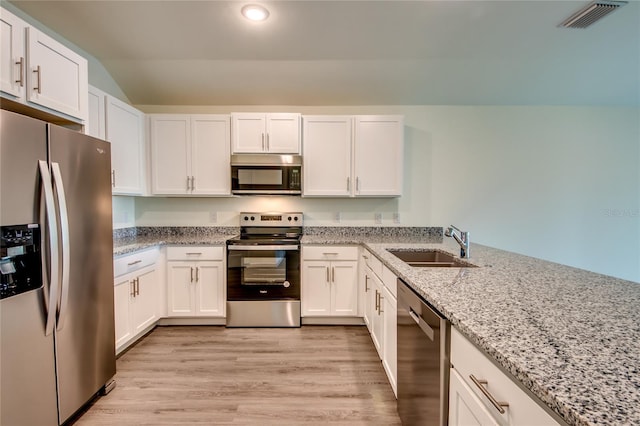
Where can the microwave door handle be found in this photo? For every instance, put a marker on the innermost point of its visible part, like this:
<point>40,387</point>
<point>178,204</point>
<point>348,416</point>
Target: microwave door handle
<point>64,232</point>
<point>51,301</point>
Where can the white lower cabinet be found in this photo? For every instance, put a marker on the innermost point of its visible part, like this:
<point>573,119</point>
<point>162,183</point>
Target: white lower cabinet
<point>329,281</point>
<point>136,296</point>
<point>473,378</point>
<point>389,350</point>
<point>380,312</point>
<point>195,282</point>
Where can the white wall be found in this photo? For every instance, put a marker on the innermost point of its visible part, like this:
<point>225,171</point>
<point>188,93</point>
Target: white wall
<point>558,183</point>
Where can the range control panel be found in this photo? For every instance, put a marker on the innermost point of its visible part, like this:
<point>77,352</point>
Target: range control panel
<point>271,219</point>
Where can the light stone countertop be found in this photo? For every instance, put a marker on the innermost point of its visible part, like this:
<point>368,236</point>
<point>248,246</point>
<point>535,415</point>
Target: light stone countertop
<point>570,336</point>
<point>123,246</point>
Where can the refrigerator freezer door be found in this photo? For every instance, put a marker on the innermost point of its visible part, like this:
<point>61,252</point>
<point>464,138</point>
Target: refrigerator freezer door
<point>85,338</point>
<point>27,364</point>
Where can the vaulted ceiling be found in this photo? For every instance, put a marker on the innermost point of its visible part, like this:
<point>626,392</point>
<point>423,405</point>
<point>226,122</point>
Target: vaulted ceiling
<point>355,52</point>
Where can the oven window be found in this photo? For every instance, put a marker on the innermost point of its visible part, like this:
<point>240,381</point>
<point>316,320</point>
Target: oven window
<point>260,176</point>
<point>260,268</point>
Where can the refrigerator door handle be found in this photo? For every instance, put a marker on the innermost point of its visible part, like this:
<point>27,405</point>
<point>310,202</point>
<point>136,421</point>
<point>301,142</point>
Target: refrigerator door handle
<point>64,232</point>
<point>54,277</point>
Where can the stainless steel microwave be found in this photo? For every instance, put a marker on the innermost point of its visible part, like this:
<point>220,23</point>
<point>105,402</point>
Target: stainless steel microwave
<point>266,174</point>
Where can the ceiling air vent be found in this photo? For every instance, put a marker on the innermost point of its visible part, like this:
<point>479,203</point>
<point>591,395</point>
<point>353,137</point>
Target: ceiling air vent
<point>591,13</point>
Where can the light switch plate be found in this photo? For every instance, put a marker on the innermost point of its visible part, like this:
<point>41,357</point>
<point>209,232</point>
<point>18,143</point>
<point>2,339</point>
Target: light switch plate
<point>213,217</point>
<point>378,218</point>
<point>396,217</point>
<point>337,217</point>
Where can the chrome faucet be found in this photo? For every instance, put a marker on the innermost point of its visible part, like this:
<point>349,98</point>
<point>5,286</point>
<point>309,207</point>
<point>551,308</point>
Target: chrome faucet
<point>462,240</point>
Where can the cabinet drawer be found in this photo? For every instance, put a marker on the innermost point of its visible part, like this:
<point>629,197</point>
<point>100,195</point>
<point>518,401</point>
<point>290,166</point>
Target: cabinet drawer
<point>330,253</point>
<point>373,263</point>
<point>132,262</point>
<point>195,253</point>
<point>523,409</point>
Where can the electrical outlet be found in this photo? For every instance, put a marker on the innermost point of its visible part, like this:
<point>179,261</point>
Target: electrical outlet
<point>337,217</point>
<point>378,218</point>
<point>213,217</point>
<point>396,217</point>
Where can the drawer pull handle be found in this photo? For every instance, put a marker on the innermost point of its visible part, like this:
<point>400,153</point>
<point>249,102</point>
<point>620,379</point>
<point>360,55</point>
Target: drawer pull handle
<point>194,253</point>
<point>330,254</point>
<point>134,263</point>
<point>499,405</point>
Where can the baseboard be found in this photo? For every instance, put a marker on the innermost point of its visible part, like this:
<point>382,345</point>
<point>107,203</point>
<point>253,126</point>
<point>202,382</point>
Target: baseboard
<point>192,321</point>
<point>332,321</point>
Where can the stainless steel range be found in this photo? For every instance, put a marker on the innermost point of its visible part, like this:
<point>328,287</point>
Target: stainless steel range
<point>263,271</point>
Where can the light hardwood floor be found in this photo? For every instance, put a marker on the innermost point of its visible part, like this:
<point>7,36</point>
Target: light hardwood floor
<point>217,375</point>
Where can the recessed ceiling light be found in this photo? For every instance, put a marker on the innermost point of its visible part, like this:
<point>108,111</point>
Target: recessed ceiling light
<point>255,12</point>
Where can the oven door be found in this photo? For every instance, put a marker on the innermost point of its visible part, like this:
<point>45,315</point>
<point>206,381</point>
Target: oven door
<point>263,272</point>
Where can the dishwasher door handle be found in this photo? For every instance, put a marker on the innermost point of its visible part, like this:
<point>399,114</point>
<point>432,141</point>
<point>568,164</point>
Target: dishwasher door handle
<point>422,324</point>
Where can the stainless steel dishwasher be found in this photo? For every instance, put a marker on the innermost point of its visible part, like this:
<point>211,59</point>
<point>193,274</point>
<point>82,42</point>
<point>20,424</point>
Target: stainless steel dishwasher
<point>423,361</point>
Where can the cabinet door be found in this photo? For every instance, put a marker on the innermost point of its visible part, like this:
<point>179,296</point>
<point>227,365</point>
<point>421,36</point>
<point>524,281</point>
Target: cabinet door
<point>123,292</point>
<point>390,347</point>
<point>170,135</point>
<point>368,298</point>
<point>377,315</point>
<point>96,118</point>
<point>12,54</point>
<point>378,142</point>
<point>344,288</point>
<point>316,288</point>
<point>125,131</point>
<point>283,133</point>
<point>210,154</point>
<point>145,302</point>
<point>180,288</point>
<point>210,289</point>
<point>465,409</point>
<point>327,156</point>
<point>248,132</point>
<point>58,77</point>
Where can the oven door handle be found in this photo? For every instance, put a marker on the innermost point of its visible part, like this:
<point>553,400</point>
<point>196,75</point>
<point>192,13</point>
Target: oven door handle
<point>262,248</point>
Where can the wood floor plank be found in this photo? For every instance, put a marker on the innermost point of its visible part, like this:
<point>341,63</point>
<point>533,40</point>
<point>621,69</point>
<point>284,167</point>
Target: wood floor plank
<point>213,375</point>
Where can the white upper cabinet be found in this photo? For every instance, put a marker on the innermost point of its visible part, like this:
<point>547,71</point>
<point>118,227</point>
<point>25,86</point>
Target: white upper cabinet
<point>124,128</point>
<point>210,156</point>
<point>121,124</point>
<point>327,155</point>
<point>39,71</point>
<point>360,156</point>
<point>12,55</point>
<point>277,133</point>
<point>97,117</point>
<point>190,154</point>
<point>378,146</point>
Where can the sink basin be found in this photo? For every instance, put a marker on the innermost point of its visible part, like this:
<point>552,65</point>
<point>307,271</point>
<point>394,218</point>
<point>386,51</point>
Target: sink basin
<point>430,259</point>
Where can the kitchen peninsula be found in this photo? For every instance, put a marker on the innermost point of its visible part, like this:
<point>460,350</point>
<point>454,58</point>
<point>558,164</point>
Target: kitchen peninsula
<point>568,336</point>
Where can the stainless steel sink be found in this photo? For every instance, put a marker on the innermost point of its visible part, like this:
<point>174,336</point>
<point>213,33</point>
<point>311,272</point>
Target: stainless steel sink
<point>430,259</point>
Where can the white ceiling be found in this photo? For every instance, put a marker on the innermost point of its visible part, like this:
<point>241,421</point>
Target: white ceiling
<point>355,52</point>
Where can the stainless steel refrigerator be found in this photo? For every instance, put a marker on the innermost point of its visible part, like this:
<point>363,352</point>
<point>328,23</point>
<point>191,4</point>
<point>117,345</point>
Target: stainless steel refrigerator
<point>56,313</point>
